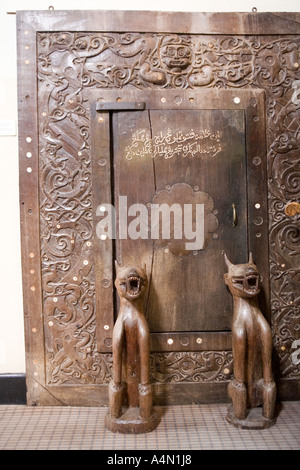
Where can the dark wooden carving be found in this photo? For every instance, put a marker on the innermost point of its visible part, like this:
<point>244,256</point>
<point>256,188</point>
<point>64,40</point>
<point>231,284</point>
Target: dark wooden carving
<point>131,352</point>
<point>67,105</point>
<point>253,382</point>
<point>233,51</point>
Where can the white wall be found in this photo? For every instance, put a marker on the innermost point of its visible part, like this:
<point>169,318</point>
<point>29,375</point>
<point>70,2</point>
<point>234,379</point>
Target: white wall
<point>12,351</point>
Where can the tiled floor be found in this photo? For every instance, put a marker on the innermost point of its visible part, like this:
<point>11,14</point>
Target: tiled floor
<point>186,427</point>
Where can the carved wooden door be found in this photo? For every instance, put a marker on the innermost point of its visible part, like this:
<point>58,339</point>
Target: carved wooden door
<point>185,108</point>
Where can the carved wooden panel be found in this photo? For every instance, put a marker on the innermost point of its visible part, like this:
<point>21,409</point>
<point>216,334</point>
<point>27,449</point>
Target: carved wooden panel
<point>65,58</point>
<point>179,150</point>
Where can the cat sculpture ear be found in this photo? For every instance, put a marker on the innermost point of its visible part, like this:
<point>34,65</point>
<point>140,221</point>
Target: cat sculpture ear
<point>117,266</point>
<point>228,263</point>
<point>143,267</point>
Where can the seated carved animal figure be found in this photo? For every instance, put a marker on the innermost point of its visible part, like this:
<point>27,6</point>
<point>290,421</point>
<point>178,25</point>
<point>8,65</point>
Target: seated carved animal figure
<point>131,357</point>
<point>253,382</point>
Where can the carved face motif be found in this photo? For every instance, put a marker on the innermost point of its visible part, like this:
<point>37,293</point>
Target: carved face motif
<point>176,57</point>
<point>243,280</point>
<point>130,281</point>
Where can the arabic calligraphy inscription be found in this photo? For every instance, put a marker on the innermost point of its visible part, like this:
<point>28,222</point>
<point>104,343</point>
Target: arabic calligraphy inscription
<point>169,144</point>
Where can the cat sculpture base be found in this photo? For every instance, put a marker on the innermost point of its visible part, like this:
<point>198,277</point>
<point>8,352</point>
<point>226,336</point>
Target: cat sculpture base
<point>130,422</point>
<point>254,419</point>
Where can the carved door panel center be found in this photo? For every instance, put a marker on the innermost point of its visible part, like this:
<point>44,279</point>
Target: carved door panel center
<point>177,159</point>
<point>169,156</point>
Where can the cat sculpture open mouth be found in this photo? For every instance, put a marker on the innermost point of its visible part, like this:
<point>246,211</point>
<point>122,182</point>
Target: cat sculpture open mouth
<point>131,286</point>
<point>249,284</point>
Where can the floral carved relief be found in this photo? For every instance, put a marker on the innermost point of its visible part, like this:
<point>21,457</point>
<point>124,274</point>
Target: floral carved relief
<point>71,64</point>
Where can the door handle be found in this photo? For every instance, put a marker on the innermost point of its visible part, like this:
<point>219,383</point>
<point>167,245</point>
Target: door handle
<point>234,216</point>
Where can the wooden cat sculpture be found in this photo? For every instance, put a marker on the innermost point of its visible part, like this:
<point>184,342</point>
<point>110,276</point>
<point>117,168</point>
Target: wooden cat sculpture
<point>131,357</point>
<point>253,382</point>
